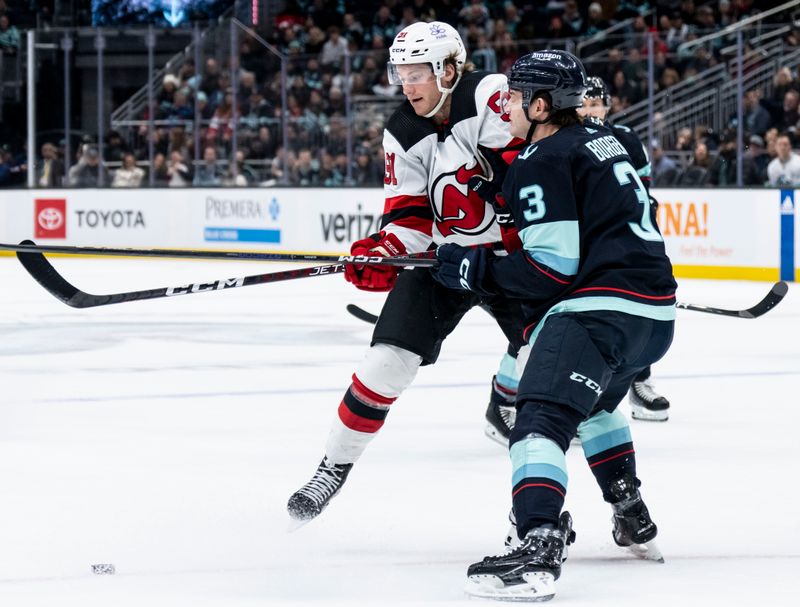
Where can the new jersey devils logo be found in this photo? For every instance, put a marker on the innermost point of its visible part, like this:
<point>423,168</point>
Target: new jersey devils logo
<point>458,209</point>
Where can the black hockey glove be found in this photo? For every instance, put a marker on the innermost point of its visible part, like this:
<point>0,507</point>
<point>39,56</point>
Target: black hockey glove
<point>491,191</point>
<point>461,267</point>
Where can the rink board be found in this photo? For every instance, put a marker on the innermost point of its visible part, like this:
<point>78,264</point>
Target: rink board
<point>709,233</point>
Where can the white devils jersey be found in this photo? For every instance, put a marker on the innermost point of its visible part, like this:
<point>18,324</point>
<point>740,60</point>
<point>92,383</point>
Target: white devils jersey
<point>428,167</point>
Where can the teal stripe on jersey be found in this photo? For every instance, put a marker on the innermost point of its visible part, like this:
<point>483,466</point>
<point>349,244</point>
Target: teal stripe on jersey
<point>538,457</point>
<point>611,304</point>
<point>603,431</point>
<point>507,375</point>
<point>555,244</point>
<point>644,171</point>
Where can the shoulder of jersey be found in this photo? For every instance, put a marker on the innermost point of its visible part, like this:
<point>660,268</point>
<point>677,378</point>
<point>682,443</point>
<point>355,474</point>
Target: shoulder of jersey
<point>474,92</point>
<point>407,128</point>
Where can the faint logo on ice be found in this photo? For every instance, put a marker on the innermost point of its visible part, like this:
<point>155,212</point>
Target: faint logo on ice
<point>50,218</point>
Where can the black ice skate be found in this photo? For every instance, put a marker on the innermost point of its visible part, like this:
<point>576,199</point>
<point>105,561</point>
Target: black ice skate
<point>500,415</point>
<point>527,572</point>
<point>646,403</point>
<point>633,527</point>
<point>312,498</point>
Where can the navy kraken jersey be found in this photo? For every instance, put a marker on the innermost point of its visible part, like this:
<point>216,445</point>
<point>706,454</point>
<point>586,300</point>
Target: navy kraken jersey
<point>636,150</point>
<point>588,230</point>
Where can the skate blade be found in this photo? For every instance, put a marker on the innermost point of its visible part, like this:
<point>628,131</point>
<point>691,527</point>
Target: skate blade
<point>496,436</point>
<point>648,551</point>
<point>539,586</point>
<point>646,415</point>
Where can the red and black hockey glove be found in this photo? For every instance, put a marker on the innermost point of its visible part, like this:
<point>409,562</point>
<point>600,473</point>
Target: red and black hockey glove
<point>375,278</point>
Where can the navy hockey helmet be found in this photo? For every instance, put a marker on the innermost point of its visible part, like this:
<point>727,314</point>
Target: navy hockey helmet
<point>558,73</point>
<point>598,90</point>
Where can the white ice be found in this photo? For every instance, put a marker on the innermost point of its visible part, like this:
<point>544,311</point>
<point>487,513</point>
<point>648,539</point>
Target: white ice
<point>165,437</point>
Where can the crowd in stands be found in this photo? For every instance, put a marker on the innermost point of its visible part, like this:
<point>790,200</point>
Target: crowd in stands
<point>337,53</point>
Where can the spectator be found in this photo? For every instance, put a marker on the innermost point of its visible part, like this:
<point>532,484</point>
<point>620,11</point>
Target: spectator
<point>785,169</point>
<point>245,173</point>
<point>782,81</point>
<point>384,26</point>
<point>660,163</point>
<point>89,172</point>
<point>208,173</point>
<point>334,50</point>
<point>50,172</point>
<point>684,141</point>
<point>484,58</point>
<point>756,160</point>
<point>222,122</point>
<point>306,169</point>
<point>177,172</point>
<point>678,31</point>
<point>756,118</point>
<point>789,114</point>
<point>701,157</point>
<point>595,22</point>
<point>115,148</point>
<point>210,82</point>
<point>159,168</point>
<point>722,171</point>
<point>573,17</point>
<point>128,175</point>
<point>9,36</point>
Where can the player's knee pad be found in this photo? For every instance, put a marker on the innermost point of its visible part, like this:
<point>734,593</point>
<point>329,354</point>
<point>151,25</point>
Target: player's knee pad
<point>388,370</point>
<point>557,422</point>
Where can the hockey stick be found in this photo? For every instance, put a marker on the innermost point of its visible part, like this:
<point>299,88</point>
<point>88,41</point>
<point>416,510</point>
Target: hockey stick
<point>362,314</point>
<point>46,275</point>
<point>772,299</point>
<point>422,260</point>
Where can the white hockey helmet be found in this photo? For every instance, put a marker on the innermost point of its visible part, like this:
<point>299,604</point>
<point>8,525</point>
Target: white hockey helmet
<point>432,43</point>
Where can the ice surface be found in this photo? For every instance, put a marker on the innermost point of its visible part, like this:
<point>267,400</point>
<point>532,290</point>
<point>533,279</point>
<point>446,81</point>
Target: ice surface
<point>165,437</point>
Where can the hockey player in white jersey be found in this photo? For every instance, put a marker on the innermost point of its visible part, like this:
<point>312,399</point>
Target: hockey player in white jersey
<point>439,138</point>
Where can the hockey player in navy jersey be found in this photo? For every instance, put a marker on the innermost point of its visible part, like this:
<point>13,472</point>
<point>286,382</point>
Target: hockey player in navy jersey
<point>599,300</point>
<point>646,403</point>
<point>433,143</point>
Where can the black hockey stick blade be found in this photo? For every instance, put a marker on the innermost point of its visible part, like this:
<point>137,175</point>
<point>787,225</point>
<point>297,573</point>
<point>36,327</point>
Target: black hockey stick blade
<point>46,275</point>
<point>772,299</point>
<point>362,314</point>
<point>425,259</point>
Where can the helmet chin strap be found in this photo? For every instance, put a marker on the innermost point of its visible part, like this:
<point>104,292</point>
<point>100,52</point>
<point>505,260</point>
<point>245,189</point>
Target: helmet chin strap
<point>534,124</point>
<point>445,92</point>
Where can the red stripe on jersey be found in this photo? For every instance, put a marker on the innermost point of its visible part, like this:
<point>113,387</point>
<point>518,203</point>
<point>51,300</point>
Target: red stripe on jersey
<point>358,423</point>
<point>558,280</point>
<point>367,396</point>
<point>634,293</point>
<point>403,201</point>
<point>608,459</point>
<point>556,489</point>
<point>418,224</point>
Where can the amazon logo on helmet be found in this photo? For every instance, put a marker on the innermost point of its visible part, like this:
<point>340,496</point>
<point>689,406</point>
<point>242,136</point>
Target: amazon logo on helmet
<point>558,73</point>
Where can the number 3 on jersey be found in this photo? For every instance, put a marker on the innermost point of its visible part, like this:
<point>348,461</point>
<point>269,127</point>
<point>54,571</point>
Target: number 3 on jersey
<point>534,195</point>
<point>645,230</point>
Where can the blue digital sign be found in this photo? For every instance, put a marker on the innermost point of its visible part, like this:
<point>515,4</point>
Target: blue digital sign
<point>161,13</point>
